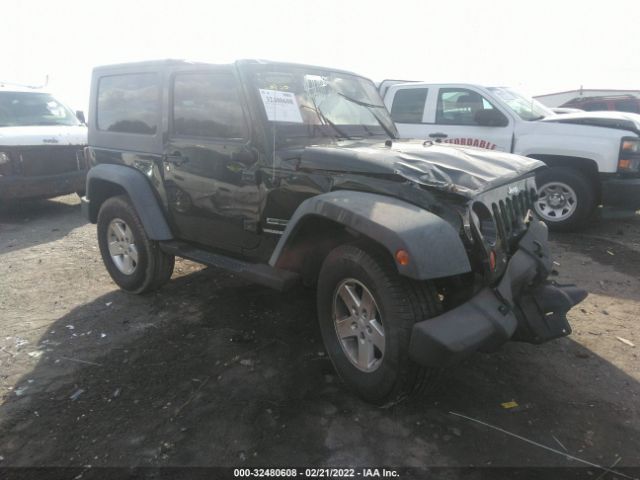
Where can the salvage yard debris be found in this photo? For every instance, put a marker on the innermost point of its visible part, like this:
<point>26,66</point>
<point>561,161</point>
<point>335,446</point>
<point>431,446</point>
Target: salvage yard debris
<point>545,447</point>
<point>20,391</point>
<point>74,396</point>
<point>77,360</point>
<point>559,443</point>
<point>626,342</point>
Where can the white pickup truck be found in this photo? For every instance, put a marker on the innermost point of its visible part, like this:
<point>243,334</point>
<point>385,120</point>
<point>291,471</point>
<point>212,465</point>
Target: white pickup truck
<point>594,157</point>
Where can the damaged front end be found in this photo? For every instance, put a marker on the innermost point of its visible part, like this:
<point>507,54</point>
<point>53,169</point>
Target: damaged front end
<point>523,305</point>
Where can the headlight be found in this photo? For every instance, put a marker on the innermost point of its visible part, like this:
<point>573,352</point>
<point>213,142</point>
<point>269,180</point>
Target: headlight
<point>629,160</point>
<point>631,145</point>
<point>484,222</point>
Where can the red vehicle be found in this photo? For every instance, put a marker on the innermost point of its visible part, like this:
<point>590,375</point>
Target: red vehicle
<point>620,103</point>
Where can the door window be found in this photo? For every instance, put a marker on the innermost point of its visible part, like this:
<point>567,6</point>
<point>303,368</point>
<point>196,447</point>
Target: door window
<point>594,106</point>
<point>207,105</point>
<point>460,106</point>
<point>408,105</point>
<point>627,106</point>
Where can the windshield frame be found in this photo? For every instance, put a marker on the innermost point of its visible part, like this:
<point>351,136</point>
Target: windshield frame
<point>68,120</point>
<point>325,130</point>
<point>537,110</point>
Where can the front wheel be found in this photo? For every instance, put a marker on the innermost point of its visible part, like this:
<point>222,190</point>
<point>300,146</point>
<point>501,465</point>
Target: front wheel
<point>566,198</point>
<point>134,261</point>
<point>366,312</point>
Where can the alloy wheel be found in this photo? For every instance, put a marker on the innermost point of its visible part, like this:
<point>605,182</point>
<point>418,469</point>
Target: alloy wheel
<point>122,248</point>
<point>358,324</point>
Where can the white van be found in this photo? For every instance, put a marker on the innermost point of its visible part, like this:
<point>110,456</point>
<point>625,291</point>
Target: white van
<point>41,145</point>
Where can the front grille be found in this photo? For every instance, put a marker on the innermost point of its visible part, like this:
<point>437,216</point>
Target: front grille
<point>49,160</point>
<point>510,214</point>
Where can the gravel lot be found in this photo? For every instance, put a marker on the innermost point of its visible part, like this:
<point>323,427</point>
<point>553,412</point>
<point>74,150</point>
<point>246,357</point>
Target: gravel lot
<point>212,370</point>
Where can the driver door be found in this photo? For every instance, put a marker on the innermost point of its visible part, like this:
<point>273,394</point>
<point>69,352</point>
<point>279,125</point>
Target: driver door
<point>208,163</point>
<point>461,116</point>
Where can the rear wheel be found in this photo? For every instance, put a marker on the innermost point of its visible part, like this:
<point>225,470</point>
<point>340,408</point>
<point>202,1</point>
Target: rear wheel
<point>366,312</point>
<point>566,198</point>
<point>134,261</point>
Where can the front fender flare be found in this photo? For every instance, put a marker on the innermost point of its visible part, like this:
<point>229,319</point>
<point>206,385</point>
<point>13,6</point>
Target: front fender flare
<point>434,246</point>
<point>137,187</point>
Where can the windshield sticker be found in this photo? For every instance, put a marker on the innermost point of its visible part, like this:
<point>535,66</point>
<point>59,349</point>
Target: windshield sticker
<point>281,106</point>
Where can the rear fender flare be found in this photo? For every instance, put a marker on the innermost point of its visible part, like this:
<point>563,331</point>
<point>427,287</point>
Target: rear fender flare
<point>104,179</point>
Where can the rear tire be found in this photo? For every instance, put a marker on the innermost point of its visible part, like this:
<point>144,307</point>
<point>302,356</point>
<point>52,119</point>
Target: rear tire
<point>566,198</point>
<point>135,262</point>
<point>386,375</point>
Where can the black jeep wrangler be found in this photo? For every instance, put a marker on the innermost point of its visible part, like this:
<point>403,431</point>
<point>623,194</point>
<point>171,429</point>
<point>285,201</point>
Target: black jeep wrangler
<point>421,253</point>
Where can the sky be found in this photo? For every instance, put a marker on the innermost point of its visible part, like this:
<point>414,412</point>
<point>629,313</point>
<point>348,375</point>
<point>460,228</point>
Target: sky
<point>537,46</point>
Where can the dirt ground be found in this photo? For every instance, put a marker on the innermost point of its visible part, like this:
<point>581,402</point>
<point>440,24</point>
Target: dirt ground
<point>212,370</point>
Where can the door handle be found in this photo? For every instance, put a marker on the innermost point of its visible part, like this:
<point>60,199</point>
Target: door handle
<point>438,135</point>
<point>177,158</point>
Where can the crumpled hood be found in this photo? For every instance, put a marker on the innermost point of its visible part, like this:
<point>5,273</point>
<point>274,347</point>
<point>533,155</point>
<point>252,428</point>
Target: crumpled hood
<point>463,170</point>
<point>620,120</point>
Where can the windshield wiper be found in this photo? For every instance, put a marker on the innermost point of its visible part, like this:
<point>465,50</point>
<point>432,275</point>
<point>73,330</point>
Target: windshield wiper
<point>325,121</point>
<point>358,102</point>
<point>370,106</point>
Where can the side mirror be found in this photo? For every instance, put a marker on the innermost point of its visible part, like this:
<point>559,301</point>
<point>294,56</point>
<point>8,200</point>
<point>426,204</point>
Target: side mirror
<point>490,118</point>
<point>80,116</point>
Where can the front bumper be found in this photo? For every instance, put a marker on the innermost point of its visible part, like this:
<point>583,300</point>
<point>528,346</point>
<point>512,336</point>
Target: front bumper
<point>620,192</point>
<point>15,187</point>
<point>524,306</point>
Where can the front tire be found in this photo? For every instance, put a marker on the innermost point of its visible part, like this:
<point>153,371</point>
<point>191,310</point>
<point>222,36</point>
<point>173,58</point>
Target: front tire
<point>134,261</point>
<point>366,312</point>
<point>566,198</point>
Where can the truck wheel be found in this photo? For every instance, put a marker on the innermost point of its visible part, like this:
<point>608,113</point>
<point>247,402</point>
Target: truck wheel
<point>565,198</point>
<point>366,312</point>
<point>134,261</point>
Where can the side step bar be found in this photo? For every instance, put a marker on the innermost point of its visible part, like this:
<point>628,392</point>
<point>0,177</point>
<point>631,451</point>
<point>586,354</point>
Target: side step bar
<point>261,273</point>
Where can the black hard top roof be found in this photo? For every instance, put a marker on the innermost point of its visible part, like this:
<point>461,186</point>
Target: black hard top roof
<point>180,62</point>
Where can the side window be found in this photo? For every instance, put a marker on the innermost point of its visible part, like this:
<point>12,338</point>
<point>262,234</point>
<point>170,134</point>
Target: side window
<point>627,106</point>
<point>129,103</point>
<point>207,105</point>
<point>459,106</point>
<point>594,106</point>
<point>408,105</point>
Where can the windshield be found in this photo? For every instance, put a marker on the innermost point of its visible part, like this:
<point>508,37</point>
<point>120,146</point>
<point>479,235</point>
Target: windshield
<point>21,109</point>
<point>303,103</point>
<point>525,108</point>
